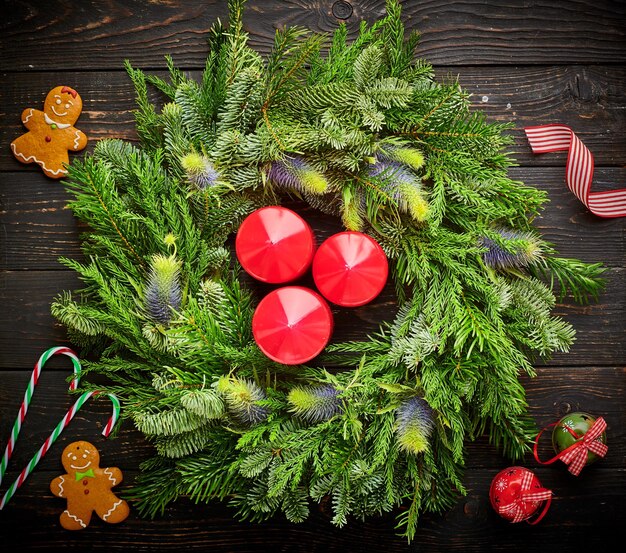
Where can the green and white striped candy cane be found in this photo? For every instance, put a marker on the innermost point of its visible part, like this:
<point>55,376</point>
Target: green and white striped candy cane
<point>28,396</point>
<point>55,434</point>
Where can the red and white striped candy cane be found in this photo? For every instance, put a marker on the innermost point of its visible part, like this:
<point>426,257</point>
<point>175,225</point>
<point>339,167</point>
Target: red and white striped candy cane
<point>55,434</point>
<point>579,168</point>
<point>28,396</point>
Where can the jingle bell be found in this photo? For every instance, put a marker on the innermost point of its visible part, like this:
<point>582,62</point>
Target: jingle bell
<point>516,494</point>
<point>571,429</point>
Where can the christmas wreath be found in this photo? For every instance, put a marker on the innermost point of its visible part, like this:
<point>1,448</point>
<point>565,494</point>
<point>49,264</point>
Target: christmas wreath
<point>363,132</point>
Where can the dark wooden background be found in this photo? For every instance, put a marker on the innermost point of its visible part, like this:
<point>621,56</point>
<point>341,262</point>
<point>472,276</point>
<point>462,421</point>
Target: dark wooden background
<point>529,62</point>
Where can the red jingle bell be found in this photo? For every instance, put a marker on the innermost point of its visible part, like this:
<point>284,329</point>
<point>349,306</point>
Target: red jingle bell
<point>516,494</point>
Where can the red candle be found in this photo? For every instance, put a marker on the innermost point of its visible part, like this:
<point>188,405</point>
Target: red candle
<point>292,325</point>
<point>275,245</point>
<point>350,269</point>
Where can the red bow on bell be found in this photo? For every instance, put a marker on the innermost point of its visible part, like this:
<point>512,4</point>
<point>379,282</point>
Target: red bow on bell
<point>575,456</point>
<point>517,507</point>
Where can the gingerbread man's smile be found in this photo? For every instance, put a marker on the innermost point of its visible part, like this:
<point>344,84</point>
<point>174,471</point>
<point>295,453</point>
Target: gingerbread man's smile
<point>59,114</point>
<point>74,457</point>
<point>81,468</point>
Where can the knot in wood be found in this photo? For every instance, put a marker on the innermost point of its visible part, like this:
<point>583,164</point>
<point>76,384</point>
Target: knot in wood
<point>342,10</point>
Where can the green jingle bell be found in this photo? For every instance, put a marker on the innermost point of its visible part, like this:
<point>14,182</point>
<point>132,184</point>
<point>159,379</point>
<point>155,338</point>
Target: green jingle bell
<point>571,429</point>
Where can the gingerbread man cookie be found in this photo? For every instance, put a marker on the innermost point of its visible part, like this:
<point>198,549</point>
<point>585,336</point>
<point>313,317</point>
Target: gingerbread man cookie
<point>87,488</point>
<point>50,132</point>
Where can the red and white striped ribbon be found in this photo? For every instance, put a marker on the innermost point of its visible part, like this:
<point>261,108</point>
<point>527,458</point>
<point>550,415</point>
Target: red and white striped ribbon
<point>579,168</point>
<point>575,456</point>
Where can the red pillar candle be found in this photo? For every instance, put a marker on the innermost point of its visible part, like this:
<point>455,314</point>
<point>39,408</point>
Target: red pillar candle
<point>292,325</point>
<point>350,269</point>
<point>275,245</point>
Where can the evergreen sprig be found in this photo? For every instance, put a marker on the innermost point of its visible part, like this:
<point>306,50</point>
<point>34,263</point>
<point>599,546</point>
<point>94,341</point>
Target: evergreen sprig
<point>363,132</point>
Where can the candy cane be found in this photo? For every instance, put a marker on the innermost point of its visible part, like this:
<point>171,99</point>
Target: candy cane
<point>55,434</point>
<point>28,396</point>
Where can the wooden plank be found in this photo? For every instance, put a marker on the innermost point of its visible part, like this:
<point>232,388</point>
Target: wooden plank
<point>553,393</point>
<point>26,325</point>
<point>583,513</point>
<point>589,99</point>
<point>52,36</point>
<point>500,50</point>
<point>27,328</point>
<point>37,226</point>
<point>557,391</point>
<point>38,230</point>
<point>569,225</point>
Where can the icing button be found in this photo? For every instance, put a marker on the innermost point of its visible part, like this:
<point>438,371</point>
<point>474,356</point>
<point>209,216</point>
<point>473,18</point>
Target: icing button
<point>48,138</point>
<point>86,492</point>
<point>53,126</point>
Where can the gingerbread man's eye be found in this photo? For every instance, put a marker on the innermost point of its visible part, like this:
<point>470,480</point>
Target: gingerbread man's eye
<point>58,101</point>
<point>74,457</point>
<point>84,456</point>
<point>67,106</point>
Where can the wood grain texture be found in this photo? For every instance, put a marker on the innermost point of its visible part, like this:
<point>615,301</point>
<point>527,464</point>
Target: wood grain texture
<point>25,315</point>
<point>553,393</point>
<point>38,229</point>
<point>524,61</point>
<point>99,35</point>
<point>589,99</point>
<point>26,325</point>
<point>581,516</point>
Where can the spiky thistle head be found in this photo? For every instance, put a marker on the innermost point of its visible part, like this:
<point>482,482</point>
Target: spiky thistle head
<point>315,403</point>
<point>295,173</point>
<point>200,171</point>
<point>414,424</point>
<point>523,250</point>
<point>403,186</point>
<point>353,208</point>
<point>162,292</point>
<point>411,157</point>
<point>242,397</point>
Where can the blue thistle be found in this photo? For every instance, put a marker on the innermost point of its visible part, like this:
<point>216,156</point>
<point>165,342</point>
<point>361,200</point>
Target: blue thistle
<point>242,397</point>
<point>414,424</point>
<point>402,185</point>
<point>517,255</point>
<point>200,171</point>
<point>392,174</point>
<point>162,294</point>
<point>315,403</point>
<point>412,157</point>
<point>296,174</point>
